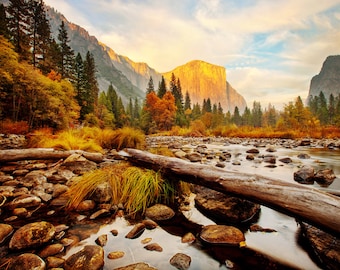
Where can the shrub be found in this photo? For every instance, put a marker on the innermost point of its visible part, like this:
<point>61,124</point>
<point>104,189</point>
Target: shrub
<point>9,127</point>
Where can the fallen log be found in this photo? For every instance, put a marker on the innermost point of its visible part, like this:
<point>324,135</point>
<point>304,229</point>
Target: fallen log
<point>302,202</point>
<point>44,153</point>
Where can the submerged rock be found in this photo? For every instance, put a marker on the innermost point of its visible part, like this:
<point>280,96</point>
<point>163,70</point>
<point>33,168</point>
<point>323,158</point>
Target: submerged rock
<point>90,257</point>
<point>153,247</point>
<point>181,261</point>
<point>5,231</point>
<point>136,231</point>
<point>222,234</point>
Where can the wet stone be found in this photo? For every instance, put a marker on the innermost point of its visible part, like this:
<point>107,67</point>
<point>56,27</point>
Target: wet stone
<point>194,157</point>
<point>286,160</point>
<point>159,212</point>
<point>101,240</point>
<point>136,231</point>
<point>253,151</point>
<point>32,235</point>
<point>115,255</point>
<point>90,257</point>
<point>51,250</point>
<point>222,234</point>
<point>181,261</point>
<point>154,247</point>
<point>258,228</point>
<point>86,205</point>
<point>114,232</point>
<point>303,156</point>
<point>188,238</point>
<point>324,177</point>
<point>5,231</point>
<point>28,261</point>
<point>304,175</point>
<point>100,213</point>
<point>54,262</point>
<point>149,224</point>
<point>25,201</point>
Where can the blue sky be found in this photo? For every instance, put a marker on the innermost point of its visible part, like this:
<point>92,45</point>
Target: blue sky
<point>270,49</point>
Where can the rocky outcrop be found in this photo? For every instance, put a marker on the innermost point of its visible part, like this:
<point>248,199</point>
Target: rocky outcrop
<point>203,80</point>
<point>328,80</point>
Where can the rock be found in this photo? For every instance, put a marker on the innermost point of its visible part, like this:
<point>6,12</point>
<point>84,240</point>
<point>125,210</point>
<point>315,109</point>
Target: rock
<point>59,189</point>
<point>27,261</point>
<point>188,238</point>
<point>149,224</point>
<point>100,213</point>
<point>258,228</point>
<point>194,157</point>
<point>236,163</point>
<point>32,235</point>
<point>78,164</point>
<point>253,151</point>
<point>271,149</point>
<point>325,246</point>
<point>181,261</point>
<point>224,156</point>
<point>90,257</point>
<point>154,247</point>
<point>5,231</point>
<point>54,262</point>
<point>33,179</point>
<point>136,231</point>
<point>86,205</point>
<point>25,201</point>
<point>51,250</point>
<point>102,193</point>
<point>101,240</point>
<point>324,177</point>
<point>146,240</point>
<point>250,157</point>
<point>303,156</point>
<point>222,234</point>
<point>136,266</point>
<point>305,142</point>
<point>286,160</point>
<point>180,154</point>
<point>304,175</point>
<point>221,207</point>
<point>159,212</point>
<point>114,232</point>
<point>220,165</point>
<point>115,255</point>
<point>269,159</point>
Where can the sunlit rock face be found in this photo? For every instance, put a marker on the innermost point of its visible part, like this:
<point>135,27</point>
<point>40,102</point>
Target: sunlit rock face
<point>328,80</point>
<point>203,80</point>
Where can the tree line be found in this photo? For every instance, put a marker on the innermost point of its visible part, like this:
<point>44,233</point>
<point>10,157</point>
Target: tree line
<point>44,83</point>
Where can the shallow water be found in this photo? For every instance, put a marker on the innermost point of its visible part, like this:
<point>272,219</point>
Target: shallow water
<point>283,246</point>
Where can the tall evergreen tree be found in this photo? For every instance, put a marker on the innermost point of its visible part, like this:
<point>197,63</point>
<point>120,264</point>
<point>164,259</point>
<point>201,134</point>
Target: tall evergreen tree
<point>331,109</point>
<point>66,57</point>
<point>257,114</point>
<point>91,84</point>
<point>161,88</point>
<point>187,103</point>
<point>151,87</point>
<point>18,26</point>
<point>3,22</point>
<point>322,111</point>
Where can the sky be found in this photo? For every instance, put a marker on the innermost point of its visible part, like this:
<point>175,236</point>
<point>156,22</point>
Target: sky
<point>270,49</point>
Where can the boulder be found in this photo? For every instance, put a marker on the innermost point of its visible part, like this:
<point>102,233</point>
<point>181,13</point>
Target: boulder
<point>159,212</point>
<point>181,261</point>
<point>5,231</point>
<point>324,177</point>
<point>304,175</point>
<point>221,207</point>
<point>28,261</point>
<point>32,235</point>
<point>90,257</point>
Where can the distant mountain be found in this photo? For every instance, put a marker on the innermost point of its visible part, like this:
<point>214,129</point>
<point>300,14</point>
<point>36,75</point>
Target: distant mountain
<point>328,80</point>
<point>203,80</point>
<point>81,41</point>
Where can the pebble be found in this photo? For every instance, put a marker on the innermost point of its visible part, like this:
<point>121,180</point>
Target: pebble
<point>181,261</point>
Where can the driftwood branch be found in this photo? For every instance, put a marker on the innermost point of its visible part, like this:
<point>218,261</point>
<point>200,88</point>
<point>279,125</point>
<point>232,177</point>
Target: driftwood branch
<point>303,202</point>
<point>44,153</point>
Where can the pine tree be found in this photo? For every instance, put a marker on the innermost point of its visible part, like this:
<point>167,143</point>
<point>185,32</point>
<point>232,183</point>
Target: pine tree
<point>257,114</point>
<point>18,26</point>
<point>79,83</point>
<point>187,103</point>
<point>40,33</point>
<point>91,89</point>
<point>331,109</point>
<point>161,88</point>
<point>150,87</point>
<point>66,58</point>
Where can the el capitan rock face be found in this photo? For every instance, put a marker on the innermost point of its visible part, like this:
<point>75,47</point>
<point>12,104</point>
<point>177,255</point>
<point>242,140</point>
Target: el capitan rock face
<point>203,80</point>
<point>328,80</point>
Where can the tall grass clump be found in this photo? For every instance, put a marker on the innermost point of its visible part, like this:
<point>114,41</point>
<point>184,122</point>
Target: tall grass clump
<point>134,187</point>
<point>128,137</point>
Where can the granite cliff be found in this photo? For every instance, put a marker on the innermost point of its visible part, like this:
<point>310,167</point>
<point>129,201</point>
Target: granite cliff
<point>203,80</point>
<point>328,80</point>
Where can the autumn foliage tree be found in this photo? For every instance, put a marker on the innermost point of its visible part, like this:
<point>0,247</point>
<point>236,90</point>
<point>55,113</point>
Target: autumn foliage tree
<point>162,110</point>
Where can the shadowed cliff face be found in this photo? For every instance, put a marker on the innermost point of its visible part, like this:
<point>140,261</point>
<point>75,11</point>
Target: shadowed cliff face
<point>203,80</point>
<point>328,80</point>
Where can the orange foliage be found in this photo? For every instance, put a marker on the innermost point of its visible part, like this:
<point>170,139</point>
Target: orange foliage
<point>54,76</point>
<point>10,127</point>
<point>162,110</point>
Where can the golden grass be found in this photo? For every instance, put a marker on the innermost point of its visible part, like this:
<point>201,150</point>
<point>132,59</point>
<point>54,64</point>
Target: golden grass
<point>128,137</point>
<point>134,187</point>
